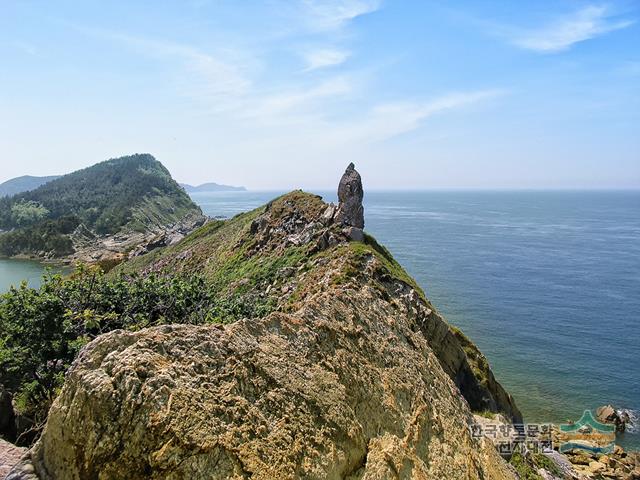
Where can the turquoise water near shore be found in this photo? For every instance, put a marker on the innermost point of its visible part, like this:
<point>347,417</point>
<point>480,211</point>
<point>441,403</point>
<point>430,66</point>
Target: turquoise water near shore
<point>13,272</point>
<point>547,283</point>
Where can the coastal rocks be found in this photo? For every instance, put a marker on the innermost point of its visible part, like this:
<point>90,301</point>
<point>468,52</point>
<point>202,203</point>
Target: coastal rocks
<point>354,234</point>
<point>170,236</point>
<point>350,194</point>
<point>283,224</point>
<point>92,248</point>
<point>334,224</point>
<point>608,414</point>
<point>596,467</point>
<point>329,214</point>
<point>618,464</point>
<point>10,456</point>
<point>82,237</point>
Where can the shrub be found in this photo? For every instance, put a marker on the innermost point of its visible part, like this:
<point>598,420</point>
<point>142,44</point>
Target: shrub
<point>42,330</point>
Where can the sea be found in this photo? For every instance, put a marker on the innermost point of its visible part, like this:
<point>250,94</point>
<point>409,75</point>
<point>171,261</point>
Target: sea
<point>546,283</point>
<point>13,272</point>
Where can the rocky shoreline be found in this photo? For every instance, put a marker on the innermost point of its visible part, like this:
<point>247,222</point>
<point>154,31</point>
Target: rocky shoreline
<point>575,465</point>
<point>91,248</point>
<point>541,453</point>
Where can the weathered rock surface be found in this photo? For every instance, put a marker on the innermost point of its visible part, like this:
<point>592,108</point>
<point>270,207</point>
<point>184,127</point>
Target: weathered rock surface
<point>608,414</point>
<point>91,248</point>
<point>350,195</point>
<point>169,236</point>
<point>615,465</point>
<point>10,456</point>
<point>341,389</point>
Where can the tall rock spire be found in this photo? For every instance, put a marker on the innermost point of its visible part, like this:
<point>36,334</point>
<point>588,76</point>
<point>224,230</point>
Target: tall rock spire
<point>350,195</point>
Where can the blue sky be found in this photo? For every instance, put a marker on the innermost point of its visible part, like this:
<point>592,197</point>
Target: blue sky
<point>284,94</point>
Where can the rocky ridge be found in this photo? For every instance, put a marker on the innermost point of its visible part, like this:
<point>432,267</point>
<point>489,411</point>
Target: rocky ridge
<point>90,247</point>
<point>345,371</point>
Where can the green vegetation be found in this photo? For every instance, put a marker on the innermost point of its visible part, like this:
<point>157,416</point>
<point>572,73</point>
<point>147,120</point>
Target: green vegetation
<point>220,251</point>
<point>42,330</point>
<point>26,212</point>
<point>527,466</point>
<point>50,236</point>
<point>477,361</point>
<point>525,469</point>
<point>542,461</point>
<point>487,414</point>
<point>133,192</point>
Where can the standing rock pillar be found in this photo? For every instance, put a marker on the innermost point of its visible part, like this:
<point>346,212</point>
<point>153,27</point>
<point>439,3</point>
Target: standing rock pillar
<point>350,210</point>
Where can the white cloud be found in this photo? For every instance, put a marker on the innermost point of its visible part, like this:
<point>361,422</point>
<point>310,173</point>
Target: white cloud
<point>210,76</point>
<point>585,24</point>
<point>389,120</point>
<point>229,94</point>
<point>324,58</point>
<point>270,107</point>
<point>333,14</point>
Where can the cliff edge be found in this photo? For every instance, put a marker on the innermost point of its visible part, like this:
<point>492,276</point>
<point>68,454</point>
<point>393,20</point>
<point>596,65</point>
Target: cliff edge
<point>341,369</point>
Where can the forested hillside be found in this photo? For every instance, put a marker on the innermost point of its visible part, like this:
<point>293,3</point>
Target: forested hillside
<point>134,192</point>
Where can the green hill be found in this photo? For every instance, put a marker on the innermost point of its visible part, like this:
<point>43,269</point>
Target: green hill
<point>23,184</point>
<point>133,193</point>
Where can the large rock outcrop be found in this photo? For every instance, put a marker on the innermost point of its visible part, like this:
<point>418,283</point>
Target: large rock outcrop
<point>341,389</point>
<point>350,373</point>
<point>350,196</point>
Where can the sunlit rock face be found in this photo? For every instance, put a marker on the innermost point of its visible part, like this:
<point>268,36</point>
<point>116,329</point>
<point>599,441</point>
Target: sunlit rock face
<point>350,195</point>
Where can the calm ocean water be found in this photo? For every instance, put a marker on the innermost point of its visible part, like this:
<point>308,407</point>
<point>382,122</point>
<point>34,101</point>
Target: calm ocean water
<point>12,272</point>
<point>546,283</point>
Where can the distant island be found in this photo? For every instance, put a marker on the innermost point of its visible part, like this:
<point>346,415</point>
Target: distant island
<point>211,187</point>
<point>25,183</point>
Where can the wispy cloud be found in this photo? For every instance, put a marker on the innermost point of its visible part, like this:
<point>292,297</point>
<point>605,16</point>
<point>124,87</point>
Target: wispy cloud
<point>229,92</point>
<point>585,24</point>
<point>323,58</point>
<point>389,120</point>
<point>333,14</point>
<point>270,107</point>
<point>211,77</point>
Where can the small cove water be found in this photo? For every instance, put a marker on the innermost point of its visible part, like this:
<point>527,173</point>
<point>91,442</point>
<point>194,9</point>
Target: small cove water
<point>13,272</point>
<point>546,283</point>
